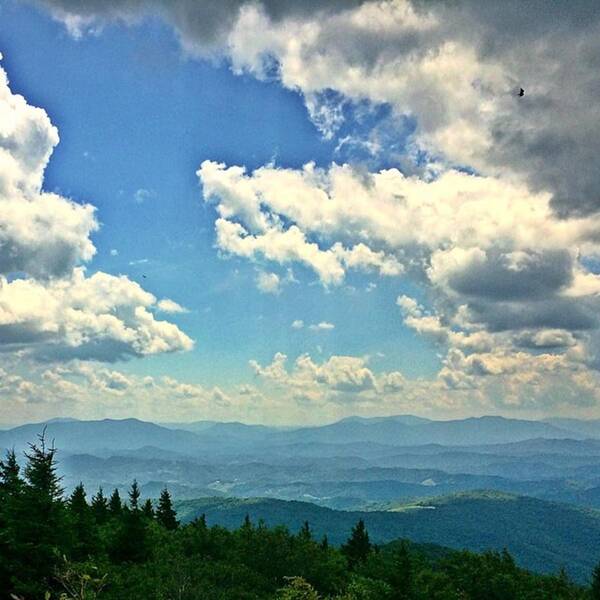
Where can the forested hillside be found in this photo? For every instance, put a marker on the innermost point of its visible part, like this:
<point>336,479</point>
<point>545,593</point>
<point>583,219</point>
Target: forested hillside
<point>542,536</point>
<point>53,547</point>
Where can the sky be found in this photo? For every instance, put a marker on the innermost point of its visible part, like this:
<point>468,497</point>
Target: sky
<point>290,212</point>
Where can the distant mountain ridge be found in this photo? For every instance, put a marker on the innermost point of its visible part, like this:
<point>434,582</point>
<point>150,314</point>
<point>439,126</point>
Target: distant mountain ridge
<point>402,430</point>
<point>89,436</point>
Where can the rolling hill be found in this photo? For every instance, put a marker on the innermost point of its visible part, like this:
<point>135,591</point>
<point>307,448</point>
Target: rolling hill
<point>543,536</point>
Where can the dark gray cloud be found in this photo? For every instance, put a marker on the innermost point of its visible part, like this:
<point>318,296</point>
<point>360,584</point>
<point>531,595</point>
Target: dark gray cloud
<point>536,275</point>
<point>554,313</point>
<point>552,49</point>
<point>202,24</point>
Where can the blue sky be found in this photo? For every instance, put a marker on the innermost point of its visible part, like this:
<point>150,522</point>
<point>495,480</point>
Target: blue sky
<point>134,114</point>
<point>140,106</point>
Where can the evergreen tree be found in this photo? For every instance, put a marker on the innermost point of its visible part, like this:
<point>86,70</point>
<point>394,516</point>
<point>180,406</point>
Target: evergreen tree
<point>77,502</point>
<point>595,587</point>
<point>358,547</point>
<point>134,496</point>
<point>324,545</point>
<point>10,475</point>
<point>82,521</point>
<point>100,507</point>
<point>401,576</point>
<point>115,506</point>
<point>148,509</point>
<point>130,543</point>
<point>41,522</point>
<point>165,514</point>
<point>40,471</point>
<point>11,490</point>
<point>305,534</point>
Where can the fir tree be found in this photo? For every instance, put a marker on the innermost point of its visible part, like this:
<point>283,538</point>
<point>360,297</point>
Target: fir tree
<point>358,547</point>
<point>11,490</point>
<point>148,509</point>
<point>41,522</point>
<point>77,501</point>
<point>100,507</point>
<point>305,534</point>
<point>134,496</point>
<point>82,521</point>
<point>11,483</point>
<point>130,543</point>
<point>165,514</point>
<point>115,506</point>
<point>401,575</point>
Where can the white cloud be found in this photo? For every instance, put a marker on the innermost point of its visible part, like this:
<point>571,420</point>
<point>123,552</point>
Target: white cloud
<point>322,326</point>
<point>170,306</point>
<point>297,324</point>
<point>102,317</point>
<point>268,283</point>
<point>140,196</point>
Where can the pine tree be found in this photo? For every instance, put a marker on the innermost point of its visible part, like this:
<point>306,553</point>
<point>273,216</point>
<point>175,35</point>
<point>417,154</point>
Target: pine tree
<point>134,496</point>
<point>115,506</point>
<point>40,471</point>
<point>401,577</point>
<point>77,501</point>
<point>82,522</point>
<point>305,534</point>
<point>100,507</point>
<point>130,543</point>
<point>358,546</point>
<point>10,475</point>
<point>324,543</point>
<point>11,496</point>
<point>148,509</point>
<point>165,514</point>
<point>42,522</point>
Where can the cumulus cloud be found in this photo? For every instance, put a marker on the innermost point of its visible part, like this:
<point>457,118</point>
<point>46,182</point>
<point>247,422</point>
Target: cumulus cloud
<point>502,271</point>
<point>49,308</point>
<point>268,283</point>
<point>88,389</point>
<point>338,379</point>
<point>322,326</point>
<point>101,317</point>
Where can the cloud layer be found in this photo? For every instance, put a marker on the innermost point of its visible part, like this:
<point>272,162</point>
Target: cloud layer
<point>453,67</point>
<point>488,201</point>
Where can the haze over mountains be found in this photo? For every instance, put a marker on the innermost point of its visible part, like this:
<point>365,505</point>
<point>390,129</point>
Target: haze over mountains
<point>353,463</point>
<point>395,469</point>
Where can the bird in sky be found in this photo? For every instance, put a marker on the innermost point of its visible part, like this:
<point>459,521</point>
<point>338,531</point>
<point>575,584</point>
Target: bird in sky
<point>521,92</point>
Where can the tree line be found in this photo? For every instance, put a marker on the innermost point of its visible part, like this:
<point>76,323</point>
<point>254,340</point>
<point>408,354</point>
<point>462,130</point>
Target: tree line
<point>54,547</point>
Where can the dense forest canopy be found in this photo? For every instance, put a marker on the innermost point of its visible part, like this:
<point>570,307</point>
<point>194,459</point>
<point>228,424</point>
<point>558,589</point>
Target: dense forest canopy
<point>53,547</point>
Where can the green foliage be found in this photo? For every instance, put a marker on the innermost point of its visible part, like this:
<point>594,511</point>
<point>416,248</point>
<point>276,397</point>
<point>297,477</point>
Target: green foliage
<point>297,589</point>
<point>148,509</point>
<point>71,550</point>
<point>358,546</point>
<point>100,508</point>
<point>165,514</point>
<point>115,506</point>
